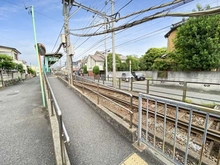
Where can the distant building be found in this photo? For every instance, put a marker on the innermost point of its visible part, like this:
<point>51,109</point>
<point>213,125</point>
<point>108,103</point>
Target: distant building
<point>95,60</point>
<point>171,35</point>
<point>123,58</point>
<point>12,52</point>
<point>98,59</point>
<point>24,63</point>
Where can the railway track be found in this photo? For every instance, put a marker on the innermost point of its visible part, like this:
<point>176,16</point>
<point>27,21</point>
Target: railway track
<point>213,132</point>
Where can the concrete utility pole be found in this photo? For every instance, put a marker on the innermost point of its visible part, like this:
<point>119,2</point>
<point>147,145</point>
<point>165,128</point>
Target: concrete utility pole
<point>113,48</point>
<point>66,11</point>
<point>106,55</point>
<point>106,60</point>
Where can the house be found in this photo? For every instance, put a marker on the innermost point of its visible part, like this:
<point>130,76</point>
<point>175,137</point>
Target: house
<point>98,59</point>
<point>95,60</point>
<point>13,52</point>
<point>171,35</point>
<point>77,65</point>
<point>25,67</point>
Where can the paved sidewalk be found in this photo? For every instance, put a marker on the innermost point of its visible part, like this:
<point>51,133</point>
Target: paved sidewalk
<point>92,140</point>
<point>25,132</point>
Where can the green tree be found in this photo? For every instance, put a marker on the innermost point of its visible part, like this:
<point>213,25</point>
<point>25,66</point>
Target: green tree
<point>96,70</point>
<point>110,61</point>
<point>85,71</point>
<point>197,44</point>
<point>6,63</point>
<point>134,63</point>
<point>164,63</point>
<point>124,66</point>
<point>147,60</point>
<point>31,71</point>
<point>20,68</point>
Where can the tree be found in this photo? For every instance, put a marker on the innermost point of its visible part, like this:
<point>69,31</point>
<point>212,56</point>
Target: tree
<point>31,71</point>
<point>110,62</point>
<point>147,60</point>
<point>85,71</point>
<point>197,43</point>
<point>20,68</point>
<point>134,63</point>
<point>6,63</point>
<point>124,66</point>
<point>96,70</point>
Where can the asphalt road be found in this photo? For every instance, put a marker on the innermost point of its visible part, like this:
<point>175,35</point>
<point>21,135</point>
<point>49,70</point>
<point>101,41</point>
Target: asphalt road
<point>93,140</point>
<point>198,97</point>
<point>25,132</point>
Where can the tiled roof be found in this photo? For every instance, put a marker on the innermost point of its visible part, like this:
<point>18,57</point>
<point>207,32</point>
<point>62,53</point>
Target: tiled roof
<point>98,58</point>
<point>174,27</point>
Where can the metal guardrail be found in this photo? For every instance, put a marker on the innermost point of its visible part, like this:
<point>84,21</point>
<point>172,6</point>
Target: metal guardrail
<point>192,108</point>
<point>63,135</point>
<point>80,78</point>
<point>182,86</point>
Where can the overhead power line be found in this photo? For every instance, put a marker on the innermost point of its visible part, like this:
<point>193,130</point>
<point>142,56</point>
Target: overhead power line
<point>139,12</point>
<point>145,19</point>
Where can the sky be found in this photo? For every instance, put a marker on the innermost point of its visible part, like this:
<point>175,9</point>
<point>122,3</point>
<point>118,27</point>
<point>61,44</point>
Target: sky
<point>16,27</point>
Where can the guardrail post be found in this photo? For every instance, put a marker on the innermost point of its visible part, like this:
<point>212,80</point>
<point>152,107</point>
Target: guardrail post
<point>184,91</point>
<point>131,114</point>
<point>83,85</point>
<point>148,87</point>
<point>61,138</point>
<point>98,94</point>
<point>51,105</point>
<point>119,85</point>
<point>139,118</point>
<point>131,84</point>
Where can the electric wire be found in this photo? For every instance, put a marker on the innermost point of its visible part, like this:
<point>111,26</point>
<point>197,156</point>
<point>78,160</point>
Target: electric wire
<point>105,12</point>
<point>57,38</point>
<point>102,40</point>
<point>88,24</point>
<point>95,31</point>
<point>145,19</point>
<point>135,13</point>
<point>36,11</point>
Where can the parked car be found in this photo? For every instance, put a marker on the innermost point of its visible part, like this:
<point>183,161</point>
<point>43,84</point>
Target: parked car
<point>138,76</point>
<point>126,77</point>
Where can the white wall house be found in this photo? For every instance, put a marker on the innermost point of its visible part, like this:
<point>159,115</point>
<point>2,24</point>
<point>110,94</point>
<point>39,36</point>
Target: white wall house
<point>24,63</point>
<point>94,60</point>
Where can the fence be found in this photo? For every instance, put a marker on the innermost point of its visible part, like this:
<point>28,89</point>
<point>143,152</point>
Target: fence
<point>79,79</point>
<point>153,130</point>
<point>178,90</point>
<point>63,135</point>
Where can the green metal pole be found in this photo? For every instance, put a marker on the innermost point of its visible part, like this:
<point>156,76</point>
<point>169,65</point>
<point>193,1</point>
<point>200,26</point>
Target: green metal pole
<point>38,58</point>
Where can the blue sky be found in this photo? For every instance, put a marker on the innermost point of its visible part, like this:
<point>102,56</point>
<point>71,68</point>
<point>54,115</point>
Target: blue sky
<point>16,29</point>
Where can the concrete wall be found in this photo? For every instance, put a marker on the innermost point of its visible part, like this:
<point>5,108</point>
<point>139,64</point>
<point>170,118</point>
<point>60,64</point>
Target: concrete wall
<point>205,77</point>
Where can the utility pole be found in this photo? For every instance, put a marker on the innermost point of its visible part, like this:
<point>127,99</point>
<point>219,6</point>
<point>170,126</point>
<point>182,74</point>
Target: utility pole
<point>66,11</point>
<point>106,56</point>
<point>38,57</point>
<point>113,47</point>
<point>106,60</point>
